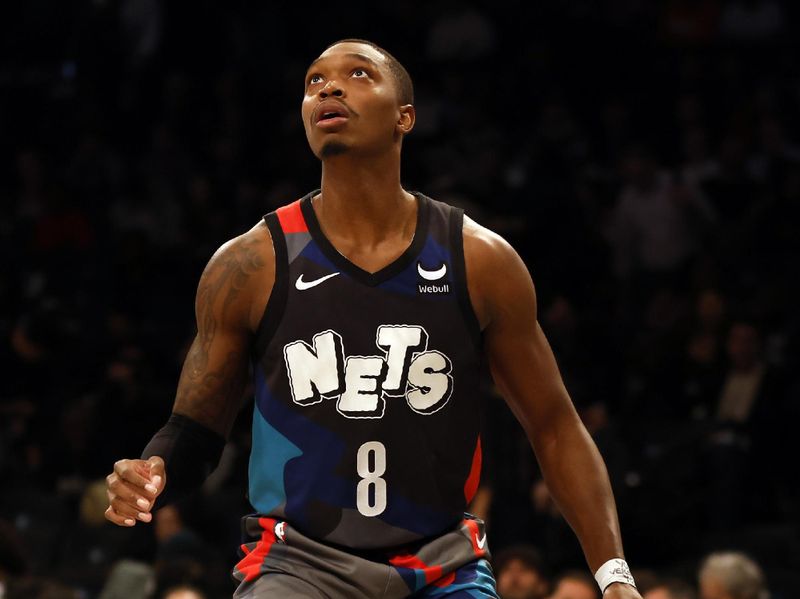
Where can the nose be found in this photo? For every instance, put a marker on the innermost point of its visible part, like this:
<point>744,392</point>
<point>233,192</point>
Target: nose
<point>331,88</point>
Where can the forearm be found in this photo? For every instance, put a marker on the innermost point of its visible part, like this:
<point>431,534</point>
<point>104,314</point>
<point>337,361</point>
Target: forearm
<point>577,478</point>
<point>212,383</point>
<point>206,404</point>
<point>190,452</point>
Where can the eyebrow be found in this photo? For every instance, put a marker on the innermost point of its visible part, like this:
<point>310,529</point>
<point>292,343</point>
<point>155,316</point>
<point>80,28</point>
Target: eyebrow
<point>356,55</point>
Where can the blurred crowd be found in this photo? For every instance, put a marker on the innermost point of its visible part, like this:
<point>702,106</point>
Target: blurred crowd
<point>522,574</point>
<point>643,158</point>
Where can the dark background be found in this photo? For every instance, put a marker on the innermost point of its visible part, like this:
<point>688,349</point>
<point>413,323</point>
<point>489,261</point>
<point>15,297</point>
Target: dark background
<point>642,157</point>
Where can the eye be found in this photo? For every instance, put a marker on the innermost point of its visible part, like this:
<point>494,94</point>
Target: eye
<point>360,73</point>
<point>314,79</point>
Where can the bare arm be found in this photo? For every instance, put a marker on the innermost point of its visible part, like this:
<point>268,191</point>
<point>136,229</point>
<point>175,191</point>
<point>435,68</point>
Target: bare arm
<point>231,298</point>
<point>526,373</point>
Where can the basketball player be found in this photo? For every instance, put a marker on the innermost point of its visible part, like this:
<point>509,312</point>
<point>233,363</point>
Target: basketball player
<point>366,310</point>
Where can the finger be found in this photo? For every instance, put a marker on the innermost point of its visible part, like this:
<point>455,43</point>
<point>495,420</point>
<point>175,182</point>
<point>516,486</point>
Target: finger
<point>115,518</point>
<point>158,475</point>
<point>156,464</point>
<point>130,492</point>
<point>118,488</point>
<point>129,470</point>
<point>125,509</point>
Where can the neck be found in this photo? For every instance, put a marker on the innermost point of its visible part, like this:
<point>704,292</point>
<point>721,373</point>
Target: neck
<point>364,198</point>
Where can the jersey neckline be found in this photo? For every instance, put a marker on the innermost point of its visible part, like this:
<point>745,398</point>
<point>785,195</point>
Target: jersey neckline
<point>354,271</point>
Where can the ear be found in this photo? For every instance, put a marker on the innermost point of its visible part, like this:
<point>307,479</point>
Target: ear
<point>408,116</point>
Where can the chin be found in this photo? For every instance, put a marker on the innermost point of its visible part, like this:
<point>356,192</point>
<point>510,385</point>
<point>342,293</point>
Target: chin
<point>332,148</point>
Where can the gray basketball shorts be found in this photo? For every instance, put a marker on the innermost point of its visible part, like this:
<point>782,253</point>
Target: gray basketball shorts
<point>286,564</point>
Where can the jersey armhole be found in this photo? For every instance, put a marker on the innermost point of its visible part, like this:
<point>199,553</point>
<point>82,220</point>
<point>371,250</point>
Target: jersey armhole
<point>460,267</point>
<point>273,312</point>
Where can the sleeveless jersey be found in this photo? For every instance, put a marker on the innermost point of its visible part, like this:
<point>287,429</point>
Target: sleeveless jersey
<point>367,397</point>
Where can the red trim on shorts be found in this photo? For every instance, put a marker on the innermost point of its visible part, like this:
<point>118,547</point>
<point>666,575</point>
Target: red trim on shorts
<point>474,533</point>
<point>433,574</point>
<point>291,218</point>
<point>474,478</point>
<point>250,564</point>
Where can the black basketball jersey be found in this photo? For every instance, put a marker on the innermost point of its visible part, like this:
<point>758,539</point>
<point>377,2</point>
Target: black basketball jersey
<point>367,412</point>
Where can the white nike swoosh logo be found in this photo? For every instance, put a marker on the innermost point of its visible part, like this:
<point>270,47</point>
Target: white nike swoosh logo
<point>303,285</point>
<point>432,275</point>
<point>481,542</point>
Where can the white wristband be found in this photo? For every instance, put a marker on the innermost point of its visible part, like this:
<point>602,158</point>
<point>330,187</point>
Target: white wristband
<point>614,570</point>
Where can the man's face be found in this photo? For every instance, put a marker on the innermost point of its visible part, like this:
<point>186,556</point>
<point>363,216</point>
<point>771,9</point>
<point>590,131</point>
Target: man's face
<point>351,102</point>
<point>518,581</point>
<point>711,588</point>
<point>573,589</point>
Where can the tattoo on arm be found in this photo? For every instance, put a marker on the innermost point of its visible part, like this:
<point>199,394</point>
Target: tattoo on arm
<point>211,383</point>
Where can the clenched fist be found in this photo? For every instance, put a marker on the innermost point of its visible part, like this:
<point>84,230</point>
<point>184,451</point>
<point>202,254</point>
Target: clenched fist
<point>132,490</point>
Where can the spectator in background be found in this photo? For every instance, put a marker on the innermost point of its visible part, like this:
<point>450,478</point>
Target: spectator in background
<point>671,589</point>
<point>183,557</point>
<point>91,551</point>
<point>129,579</point>
<point>731,575</point>
<point>575,584</point>
<point>520,573</point>
<point>657,222</point>
<point>746,423</point>
<point>703,354</point>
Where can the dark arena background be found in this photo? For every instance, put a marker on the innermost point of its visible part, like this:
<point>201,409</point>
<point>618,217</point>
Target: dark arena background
<point>642,157</point>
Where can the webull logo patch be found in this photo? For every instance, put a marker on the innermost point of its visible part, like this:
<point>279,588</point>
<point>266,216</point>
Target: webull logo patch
<point>434,289</point>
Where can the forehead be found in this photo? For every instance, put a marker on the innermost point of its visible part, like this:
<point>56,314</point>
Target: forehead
<point>352,50</point>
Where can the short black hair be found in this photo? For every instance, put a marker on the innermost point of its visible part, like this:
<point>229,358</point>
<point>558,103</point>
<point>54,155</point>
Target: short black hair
<point>529,555</point>
<point>402,80</point>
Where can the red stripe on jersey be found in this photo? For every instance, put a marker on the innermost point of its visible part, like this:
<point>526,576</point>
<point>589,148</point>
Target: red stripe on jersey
<point>250,564</point>
<point>471,485</point>
<point>445,581</point>
<point>433,574</point>
<point>291,218</point>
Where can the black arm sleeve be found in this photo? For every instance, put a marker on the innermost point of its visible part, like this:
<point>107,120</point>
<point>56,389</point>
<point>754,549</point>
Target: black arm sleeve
<point>190,452</point>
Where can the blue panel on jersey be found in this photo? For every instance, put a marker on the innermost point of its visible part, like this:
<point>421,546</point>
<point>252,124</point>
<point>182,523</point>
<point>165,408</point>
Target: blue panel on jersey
<point>271,452</point>
<point>314,253</point>
<point>474,579</point>
<point>309,476</point>
<point>413,577</point>
<point>432,256</point>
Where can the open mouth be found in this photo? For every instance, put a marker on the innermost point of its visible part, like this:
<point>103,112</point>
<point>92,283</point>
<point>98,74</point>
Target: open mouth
<point>331,111</point>
<point>330,115</point>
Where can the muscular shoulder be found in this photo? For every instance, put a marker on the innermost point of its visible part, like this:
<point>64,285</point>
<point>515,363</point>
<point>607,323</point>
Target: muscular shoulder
<point>496,273</point>
<point>238,278</point>
<point>484,246</point>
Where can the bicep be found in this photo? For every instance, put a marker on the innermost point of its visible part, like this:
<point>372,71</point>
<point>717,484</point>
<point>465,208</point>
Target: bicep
<point>216,366</point>
<point>521,360</point>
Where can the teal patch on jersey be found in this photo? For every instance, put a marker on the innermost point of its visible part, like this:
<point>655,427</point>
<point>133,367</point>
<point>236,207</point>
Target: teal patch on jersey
<point>267,489</point>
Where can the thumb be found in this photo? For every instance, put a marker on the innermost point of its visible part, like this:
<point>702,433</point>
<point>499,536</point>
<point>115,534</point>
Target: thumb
<point>158,475</point>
